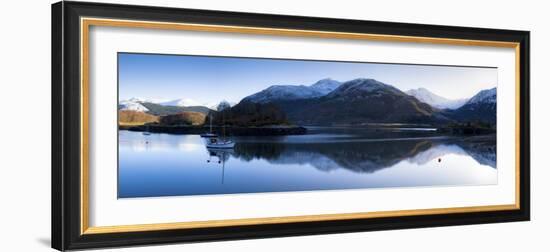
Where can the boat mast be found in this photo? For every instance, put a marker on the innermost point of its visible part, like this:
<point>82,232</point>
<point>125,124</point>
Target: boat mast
<point>210,123</point>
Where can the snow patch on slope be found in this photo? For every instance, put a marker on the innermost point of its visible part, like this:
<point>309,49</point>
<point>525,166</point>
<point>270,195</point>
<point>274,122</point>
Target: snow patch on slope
<point>133,104</point>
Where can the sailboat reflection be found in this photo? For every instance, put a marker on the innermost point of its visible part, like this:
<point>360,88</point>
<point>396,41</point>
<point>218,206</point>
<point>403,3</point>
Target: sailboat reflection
<point>219,156</point>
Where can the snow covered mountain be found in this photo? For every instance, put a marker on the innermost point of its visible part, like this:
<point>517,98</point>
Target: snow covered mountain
<point>481,107</point>
<point>192,103</point>
<point>361,88</point>
<point>133,104</point>
<point>488,96</point>
<point>283,92</point>
<point>293,92</point>
<point>181,103</point>
<point>325,86</point>
<point>434,100</point>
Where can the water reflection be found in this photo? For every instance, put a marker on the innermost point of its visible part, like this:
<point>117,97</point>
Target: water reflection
<point>357,157</point>
<point>163,165</point>
<point>220,157</point>
<point>484,152</point>
<point>366,156</point>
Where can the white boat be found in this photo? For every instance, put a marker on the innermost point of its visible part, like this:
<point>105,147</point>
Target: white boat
<point>218,143</point>
<point>215,142</point>
<point>208,135</point>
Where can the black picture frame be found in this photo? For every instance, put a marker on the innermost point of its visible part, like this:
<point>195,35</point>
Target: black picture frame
<point>66,125</point>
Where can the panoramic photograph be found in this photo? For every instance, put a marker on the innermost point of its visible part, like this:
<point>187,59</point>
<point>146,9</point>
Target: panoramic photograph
<point>204,125</point>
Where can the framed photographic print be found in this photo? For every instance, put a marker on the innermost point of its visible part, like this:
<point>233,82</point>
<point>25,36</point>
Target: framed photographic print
<point>179,125</point>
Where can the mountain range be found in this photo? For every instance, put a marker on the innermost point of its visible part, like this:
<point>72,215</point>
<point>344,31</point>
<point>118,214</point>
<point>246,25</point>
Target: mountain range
<point>435,100</point>
<point>293,92</point>
<point>358,101</point>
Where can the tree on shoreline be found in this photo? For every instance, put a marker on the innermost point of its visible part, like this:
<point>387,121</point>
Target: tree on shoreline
<point>248,114</point>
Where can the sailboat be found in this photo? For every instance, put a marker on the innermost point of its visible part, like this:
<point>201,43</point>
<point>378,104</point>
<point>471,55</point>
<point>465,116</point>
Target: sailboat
<point>209,134</point>
<point>218,142</point>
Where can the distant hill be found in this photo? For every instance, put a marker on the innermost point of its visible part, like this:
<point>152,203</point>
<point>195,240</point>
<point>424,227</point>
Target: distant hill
<point>293,92</point>
<point>325,86</point>
<point>160,110</point>
<point>180,103</point>
<point>282,92</point>
<point>132,104</point>
<point>480,108</point>
<point>129,117</point>
<point>434,100</point>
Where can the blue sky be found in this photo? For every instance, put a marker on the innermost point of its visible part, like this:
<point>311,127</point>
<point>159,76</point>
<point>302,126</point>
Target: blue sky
<point>208,80</point>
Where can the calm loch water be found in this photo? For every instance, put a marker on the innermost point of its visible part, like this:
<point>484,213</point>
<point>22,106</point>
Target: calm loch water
<point>324,159</point>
